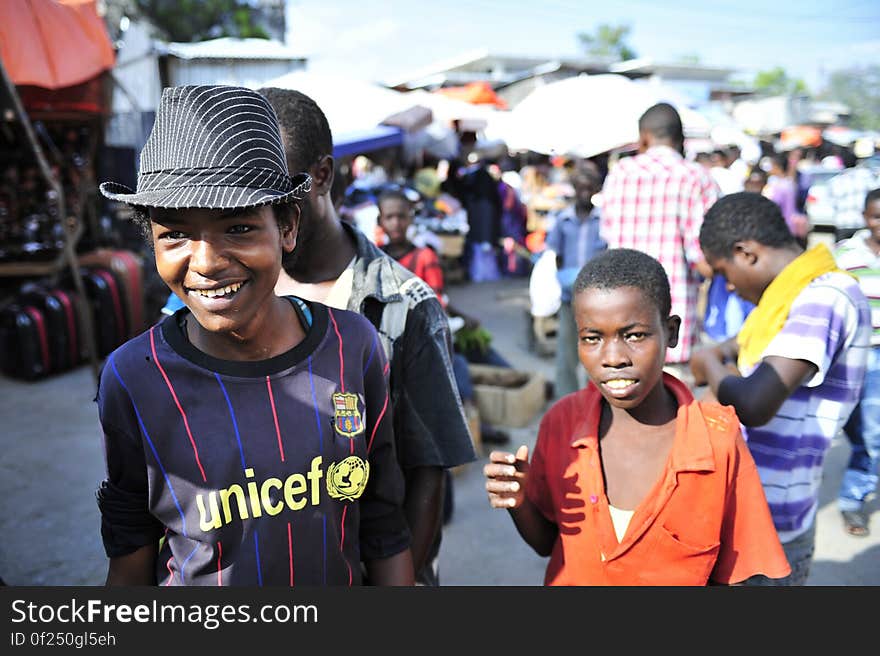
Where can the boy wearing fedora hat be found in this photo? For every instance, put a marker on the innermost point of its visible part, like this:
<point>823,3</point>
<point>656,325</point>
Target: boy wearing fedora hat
<point>247,436</point>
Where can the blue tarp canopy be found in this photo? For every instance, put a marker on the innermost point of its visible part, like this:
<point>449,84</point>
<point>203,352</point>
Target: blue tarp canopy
<point>365,141</point>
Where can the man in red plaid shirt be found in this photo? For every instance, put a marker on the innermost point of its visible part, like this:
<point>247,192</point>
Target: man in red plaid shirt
<point>655,202</point>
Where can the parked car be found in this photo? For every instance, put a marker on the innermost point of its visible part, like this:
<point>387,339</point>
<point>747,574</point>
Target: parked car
<point>853,183</point>
<point>818,206</point>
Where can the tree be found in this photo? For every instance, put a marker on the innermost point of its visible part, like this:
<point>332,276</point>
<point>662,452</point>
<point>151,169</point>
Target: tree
<point>859,89</point>
<point>776,82</point>
<point>184,21</point>
<point>608,41</point>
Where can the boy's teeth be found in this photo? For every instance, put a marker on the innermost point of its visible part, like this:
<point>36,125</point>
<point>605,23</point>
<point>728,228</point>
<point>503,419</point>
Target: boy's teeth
<point>222,291</point>
<point>619,383</point>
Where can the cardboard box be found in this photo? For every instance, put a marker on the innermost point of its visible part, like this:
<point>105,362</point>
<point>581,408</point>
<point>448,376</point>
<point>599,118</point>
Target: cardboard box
<point>507,397</point>
<point>451,245</point>
<point>473,418</point>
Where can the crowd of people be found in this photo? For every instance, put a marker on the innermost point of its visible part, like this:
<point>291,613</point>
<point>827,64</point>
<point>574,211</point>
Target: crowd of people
<point>306,365</point>
<point>797,366</point>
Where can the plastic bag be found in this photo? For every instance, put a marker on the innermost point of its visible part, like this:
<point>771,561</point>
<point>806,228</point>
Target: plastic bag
<point>483,264</point>
<point>545,294</point>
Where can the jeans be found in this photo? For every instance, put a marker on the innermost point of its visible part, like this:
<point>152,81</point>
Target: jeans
<point>799,553</point>
<point>462,372</point>
<point>490,357</point>
<point>462,377</point>
<point>863,431</point>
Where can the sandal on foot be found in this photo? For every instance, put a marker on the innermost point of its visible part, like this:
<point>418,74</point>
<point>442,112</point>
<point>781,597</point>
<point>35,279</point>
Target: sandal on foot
<point>855,523</point>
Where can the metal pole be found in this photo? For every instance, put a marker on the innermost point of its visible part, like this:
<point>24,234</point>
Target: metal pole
<point>69,247</point>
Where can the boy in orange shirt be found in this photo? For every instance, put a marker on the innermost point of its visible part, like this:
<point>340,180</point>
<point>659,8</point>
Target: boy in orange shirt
<point>633,482</point>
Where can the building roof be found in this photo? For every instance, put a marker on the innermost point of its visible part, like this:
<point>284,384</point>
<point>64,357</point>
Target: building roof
<point>499,70</point>
<point>646,66</point>
<point>508,71</point>
<point>232,48</point>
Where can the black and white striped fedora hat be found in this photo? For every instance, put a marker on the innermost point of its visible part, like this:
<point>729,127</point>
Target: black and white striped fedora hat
<point>212,147</point>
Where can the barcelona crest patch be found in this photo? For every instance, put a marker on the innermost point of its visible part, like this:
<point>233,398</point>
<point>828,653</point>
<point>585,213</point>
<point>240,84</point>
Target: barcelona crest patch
<point>347,419</point>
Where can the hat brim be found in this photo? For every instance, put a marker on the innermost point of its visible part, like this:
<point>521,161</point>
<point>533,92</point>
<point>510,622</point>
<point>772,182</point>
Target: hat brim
<point>212,197</point>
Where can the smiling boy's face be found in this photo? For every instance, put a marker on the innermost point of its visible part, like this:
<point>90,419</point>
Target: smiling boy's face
<point>222,263</point>
<point>622,342</point>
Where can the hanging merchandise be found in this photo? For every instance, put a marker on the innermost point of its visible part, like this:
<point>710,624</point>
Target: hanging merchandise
<point>70,291</point>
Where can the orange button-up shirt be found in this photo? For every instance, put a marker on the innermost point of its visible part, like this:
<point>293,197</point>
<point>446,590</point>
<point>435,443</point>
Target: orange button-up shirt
<point>706,517</point>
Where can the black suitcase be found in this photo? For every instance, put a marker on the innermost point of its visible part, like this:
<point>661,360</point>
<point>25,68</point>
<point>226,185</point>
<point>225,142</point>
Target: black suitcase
<point>77,348</point>
<point>24,342</point>
<point>82,311</point>
<point>127,268</point>
<point>108,311</point>
<point>60,324</point>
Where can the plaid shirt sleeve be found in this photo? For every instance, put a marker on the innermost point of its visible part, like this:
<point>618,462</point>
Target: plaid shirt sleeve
<point>704,196</point>
<point>612,207</point>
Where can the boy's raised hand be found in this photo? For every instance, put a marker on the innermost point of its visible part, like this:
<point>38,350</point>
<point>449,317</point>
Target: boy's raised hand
<point>506,476</point>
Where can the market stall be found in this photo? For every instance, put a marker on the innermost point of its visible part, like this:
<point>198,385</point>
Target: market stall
<point>66,297</point>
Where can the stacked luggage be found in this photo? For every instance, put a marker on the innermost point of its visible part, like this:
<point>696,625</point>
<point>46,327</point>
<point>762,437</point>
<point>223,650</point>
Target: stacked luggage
<point>42,328</point>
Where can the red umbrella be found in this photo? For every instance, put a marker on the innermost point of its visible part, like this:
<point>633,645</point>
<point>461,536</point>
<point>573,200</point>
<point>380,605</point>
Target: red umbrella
<point>53,44</point>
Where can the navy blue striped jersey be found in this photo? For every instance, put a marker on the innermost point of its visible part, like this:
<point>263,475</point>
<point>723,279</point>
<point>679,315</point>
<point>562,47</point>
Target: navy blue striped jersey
<point>274,472</point>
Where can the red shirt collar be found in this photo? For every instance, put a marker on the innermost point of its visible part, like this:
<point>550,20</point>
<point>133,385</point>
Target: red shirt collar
<point>691,450</point>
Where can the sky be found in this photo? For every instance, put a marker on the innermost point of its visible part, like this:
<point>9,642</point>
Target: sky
<point>389,40</point>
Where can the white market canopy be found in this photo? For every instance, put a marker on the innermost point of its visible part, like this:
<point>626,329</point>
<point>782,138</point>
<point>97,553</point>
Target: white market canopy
<point>586,115</point>
<point>350,104</point>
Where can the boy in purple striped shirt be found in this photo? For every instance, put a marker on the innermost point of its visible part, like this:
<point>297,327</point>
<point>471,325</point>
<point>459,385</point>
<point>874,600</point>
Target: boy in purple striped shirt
<point>795,370</point>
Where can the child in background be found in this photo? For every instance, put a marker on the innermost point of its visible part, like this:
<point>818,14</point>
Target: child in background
<point>860,255</point>
<point>247,435</point>
<point>782,190</point>
<point>575,239</point>
<point>395,219</point>
<point>633,482</point>
<point>756,181</point>
<point>795,370</point>
<point>725,310</point>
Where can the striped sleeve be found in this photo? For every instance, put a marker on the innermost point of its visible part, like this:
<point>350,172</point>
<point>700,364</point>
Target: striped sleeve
<point>822,321</point>
<point>865,265</point>
<point>749,541</point>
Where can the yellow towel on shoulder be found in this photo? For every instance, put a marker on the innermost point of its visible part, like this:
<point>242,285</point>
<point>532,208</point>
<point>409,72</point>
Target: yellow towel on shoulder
<point>768,318</point>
